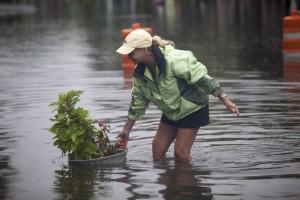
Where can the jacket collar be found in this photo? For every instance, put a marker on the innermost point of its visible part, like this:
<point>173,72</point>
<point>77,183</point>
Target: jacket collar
<point>139,74</point>
<point>160,53</point>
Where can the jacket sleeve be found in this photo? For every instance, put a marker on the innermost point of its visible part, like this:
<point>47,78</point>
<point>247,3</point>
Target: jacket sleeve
<point>195,73</point>
<point>139,102</point>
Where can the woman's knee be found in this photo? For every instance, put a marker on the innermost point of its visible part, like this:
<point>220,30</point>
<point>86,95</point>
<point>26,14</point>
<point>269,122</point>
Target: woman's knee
<point>158,150</point>
<point>182,155</point>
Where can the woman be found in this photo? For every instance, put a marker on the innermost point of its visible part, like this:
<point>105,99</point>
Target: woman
<point>177,84</point>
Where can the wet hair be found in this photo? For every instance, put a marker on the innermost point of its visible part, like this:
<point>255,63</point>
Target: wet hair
<point>159,58</point>
<point>158,55</point>
<point>161,42</point>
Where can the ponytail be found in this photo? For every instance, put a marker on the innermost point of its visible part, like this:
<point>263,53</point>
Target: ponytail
<point>156,40</point>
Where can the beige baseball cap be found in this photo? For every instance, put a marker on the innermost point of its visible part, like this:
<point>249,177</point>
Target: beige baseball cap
<point>138,38</point>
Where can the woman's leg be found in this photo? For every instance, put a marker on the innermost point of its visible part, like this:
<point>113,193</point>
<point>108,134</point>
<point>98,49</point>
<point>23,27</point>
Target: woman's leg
<point>164,137</point>
<point>185,138</point>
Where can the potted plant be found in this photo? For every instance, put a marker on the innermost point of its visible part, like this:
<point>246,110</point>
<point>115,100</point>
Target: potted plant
<point>75,133</point>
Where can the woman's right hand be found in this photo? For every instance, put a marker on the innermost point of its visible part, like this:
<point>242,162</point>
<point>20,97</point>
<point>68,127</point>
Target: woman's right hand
<point>124,135</point>
<point>123,140</point>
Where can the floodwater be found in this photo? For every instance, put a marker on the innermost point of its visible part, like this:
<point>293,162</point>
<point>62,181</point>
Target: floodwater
<point>66,45</point>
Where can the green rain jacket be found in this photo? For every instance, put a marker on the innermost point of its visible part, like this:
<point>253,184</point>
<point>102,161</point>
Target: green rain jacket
<point>181,90</point>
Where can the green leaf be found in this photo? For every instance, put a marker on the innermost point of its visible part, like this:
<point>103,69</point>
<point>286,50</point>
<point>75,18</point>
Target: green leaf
<point>74,137</point>
<point>61,117</point>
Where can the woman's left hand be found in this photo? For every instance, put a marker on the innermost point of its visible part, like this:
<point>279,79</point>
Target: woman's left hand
<point>231,106</point>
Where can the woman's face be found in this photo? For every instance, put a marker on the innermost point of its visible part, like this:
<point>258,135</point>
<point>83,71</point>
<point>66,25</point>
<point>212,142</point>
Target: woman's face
<point>138,56</point>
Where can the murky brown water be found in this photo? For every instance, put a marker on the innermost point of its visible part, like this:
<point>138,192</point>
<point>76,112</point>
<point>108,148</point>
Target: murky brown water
<point>71,46</point>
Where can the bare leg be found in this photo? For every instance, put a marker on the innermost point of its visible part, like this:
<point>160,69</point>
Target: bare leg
<point>164,137</point>
<point>184,140</point>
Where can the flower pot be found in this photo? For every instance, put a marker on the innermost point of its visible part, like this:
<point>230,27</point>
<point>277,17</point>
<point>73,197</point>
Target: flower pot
<point>115,159</point>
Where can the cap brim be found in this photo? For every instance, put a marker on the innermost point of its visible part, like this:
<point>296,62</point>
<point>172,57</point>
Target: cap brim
<point>124,50</point>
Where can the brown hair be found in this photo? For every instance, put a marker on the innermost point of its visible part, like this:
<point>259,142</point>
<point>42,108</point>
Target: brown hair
<point>156,40</point>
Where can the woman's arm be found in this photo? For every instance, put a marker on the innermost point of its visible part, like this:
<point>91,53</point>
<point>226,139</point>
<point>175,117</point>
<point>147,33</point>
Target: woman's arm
<point>195,73</point>
<point>124,135</point>
<point>137,108</point>
<point>127,127</point>
<point>139,102</point>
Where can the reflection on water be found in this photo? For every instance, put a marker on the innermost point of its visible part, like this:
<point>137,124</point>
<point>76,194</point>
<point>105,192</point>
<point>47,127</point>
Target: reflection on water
<point>181,182</point>
<point>81,182</point>
<point>67,45</point>
<point>170,181</point>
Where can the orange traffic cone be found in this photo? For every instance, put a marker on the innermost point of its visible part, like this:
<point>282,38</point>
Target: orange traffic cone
<point>291,47</point>
<point>291,29</point>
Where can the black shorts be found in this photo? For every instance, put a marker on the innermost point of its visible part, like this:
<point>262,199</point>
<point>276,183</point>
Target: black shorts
<point>193,120</point>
